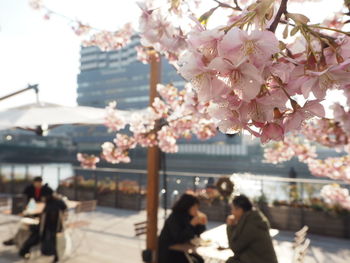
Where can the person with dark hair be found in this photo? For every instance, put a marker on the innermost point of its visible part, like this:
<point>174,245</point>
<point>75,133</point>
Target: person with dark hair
<point>36,190</point>
<point>51,222</point>
<point>248,234</point>
<point>185,223</point>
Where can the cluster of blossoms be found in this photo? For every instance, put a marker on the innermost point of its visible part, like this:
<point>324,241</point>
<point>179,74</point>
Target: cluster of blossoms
<point>107,40</point>
<point>336,168</point>
<point>336,196</point>
<point>88,161</point>
<point>327,132</point>
<point>277,152</point>
<point>176,114</point>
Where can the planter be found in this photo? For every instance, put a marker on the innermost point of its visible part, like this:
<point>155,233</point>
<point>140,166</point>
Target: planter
<point>319,222</point>
<point>66,191</point>
<point>17,187</point>
<point>284,217</point>
<point>107,199</point>
<point>131,201</point>
<point>110,198</point>
<point>215,211</point>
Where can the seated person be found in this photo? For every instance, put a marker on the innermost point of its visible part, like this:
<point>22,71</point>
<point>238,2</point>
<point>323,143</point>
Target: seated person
<point>248,234</point>
<point>50,224</point>
<point>185,223</point>
<point>36,190</point>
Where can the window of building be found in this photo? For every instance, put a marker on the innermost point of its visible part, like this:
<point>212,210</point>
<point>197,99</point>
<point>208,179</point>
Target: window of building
<point>88,58</point>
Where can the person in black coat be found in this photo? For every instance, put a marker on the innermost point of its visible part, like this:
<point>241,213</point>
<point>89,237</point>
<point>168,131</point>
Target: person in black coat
<point>185,223</point>
<point>36,190</point>
<point>50,224</point>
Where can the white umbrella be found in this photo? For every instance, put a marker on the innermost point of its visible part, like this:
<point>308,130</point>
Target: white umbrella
<point>38,114</point>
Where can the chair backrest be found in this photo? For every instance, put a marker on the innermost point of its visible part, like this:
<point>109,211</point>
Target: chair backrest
<point>300,236</point>
<point>300,251</point>
<point>86,206</point>
<point>301,244</point>
<point>140,228</point>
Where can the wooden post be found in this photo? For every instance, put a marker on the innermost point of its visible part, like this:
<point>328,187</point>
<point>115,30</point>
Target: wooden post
<point>153,165</point>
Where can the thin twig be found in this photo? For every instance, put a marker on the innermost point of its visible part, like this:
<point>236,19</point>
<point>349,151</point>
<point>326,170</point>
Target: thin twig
<point>237,5</point>
<point>221,4</point>
<point>331,29</point>
<point>282,10</point>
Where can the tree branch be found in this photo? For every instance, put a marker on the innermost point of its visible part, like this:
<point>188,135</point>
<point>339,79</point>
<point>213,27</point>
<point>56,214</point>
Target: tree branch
<point>237,8</point>
<point>282,10</point>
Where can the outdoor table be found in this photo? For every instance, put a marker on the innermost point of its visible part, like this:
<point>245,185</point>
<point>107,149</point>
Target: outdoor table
<point>40,206</point>
<point>215,247</point>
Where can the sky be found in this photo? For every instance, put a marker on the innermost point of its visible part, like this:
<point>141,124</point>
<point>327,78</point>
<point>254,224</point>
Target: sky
<point>46,52</point>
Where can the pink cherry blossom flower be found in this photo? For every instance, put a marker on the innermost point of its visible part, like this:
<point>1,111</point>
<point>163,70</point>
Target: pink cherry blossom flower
<point>124,142</point>
<point>258,46</point>
<point>88,161</point>
<point>319,82</point>
<point>335,195</point>
<point>310,109</point>
<point>342,116</point>
<point>271,131</point>
<point>278,152</point>
<point>244,79</point>
<point>113,119</point>
<point>113,154</point>
<point>167,140</point>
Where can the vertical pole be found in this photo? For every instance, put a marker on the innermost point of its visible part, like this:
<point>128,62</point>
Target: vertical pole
<point>140,191</point>
<point>165,185</point>
<point>12,189</point>
<point>27,173</point>
<point>1,181</point>
<point>58,177</point>
<point>153,155</point>
<point>116,180</point>
<point>75,185</point>
<point>95,185</point>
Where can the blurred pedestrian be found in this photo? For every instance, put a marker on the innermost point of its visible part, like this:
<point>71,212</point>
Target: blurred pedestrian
<point>184,224</point>
<point>248,234</point>
<point>36,190</point>
<point>51,223</point>
<point>33,193</point>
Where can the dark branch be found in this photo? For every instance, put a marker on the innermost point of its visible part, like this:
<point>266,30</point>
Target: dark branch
<point>282,10</point>
<point>237,8</point>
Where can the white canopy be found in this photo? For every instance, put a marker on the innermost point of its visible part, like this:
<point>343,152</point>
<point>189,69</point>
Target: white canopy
<point>37,114</point>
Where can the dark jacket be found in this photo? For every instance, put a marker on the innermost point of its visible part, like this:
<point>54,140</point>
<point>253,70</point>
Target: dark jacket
<point>52,223</point>
<point>250,240</point>
<point>177,229</point>
<point>29,192</point>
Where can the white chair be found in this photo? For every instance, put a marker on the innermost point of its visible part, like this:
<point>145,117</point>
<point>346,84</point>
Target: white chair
<point>300,246</point>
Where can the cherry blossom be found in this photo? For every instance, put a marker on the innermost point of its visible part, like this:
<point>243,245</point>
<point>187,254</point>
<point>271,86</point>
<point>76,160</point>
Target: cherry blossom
<point>113,119</point>
<point>88,161</point>
<point>167,140</point>
<point>106,40</point>
<point>272,131</point>
<point>333,167</point>
<point>113,154</point>
<point>257,47</point>
<point>336,196</point>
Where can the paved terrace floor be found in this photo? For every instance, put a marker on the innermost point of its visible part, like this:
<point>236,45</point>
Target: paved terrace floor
<point>110,239</point>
